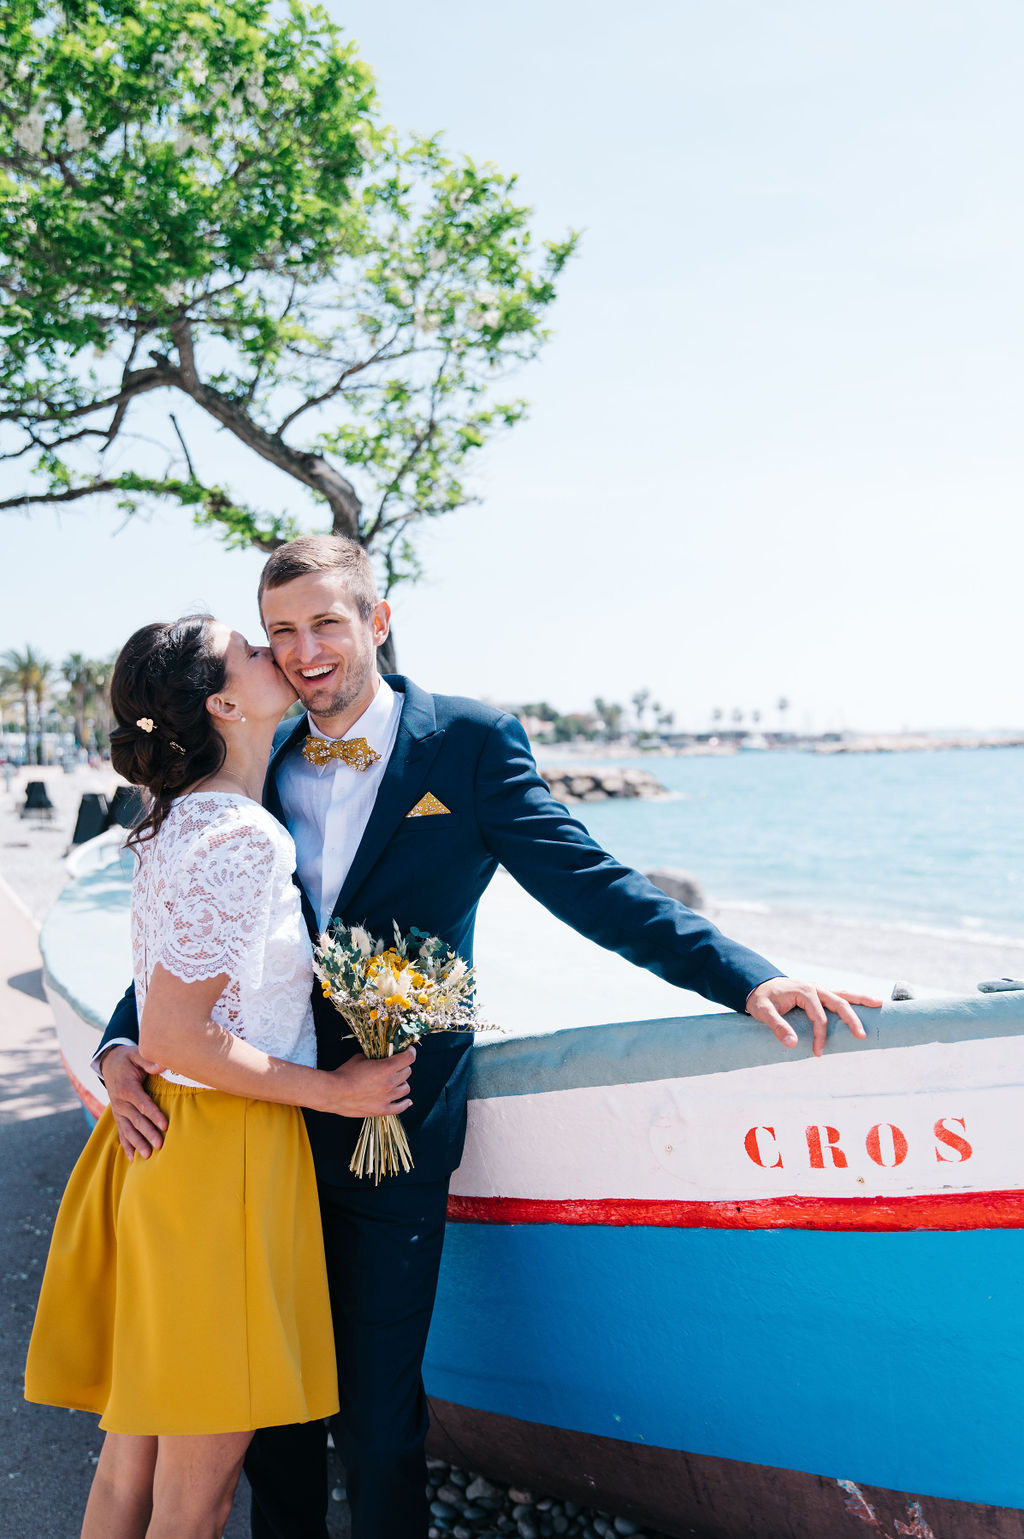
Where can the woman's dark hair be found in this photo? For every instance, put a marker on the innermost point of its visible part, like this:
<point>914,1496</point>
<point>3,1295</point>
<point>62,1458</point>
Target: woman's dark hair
<point>165,738</point>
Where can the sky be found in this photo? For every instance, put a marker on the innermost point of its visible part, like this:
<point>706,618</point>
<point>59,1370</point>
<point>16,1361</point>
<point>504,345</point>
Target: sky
<point>774,447</point>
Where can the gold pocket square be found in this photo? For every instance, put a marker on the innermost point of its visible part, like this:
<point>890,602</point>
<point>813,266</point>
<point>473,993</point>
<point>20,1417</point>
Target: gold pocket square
<point>428,807</point>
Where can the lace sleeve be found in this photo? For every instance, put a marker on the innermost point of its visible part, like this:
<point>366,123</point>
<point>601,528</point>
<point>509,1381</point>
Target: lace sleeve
<point>218,914</point>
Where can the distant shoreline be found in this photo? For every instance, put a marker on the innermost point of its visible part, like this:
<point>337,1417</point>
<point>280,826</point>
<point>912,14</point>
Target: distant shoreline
<point>727,744</point>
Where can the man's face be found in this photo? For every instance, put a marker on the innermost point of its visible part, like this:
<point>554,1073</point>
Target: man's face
<point>325,650</point>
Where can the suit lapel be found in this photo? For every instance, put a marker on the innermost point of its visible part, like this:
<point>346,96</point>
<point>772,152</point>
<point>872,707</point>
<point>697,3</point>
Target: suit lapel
<point>297,730</point>
<point>416,745</point>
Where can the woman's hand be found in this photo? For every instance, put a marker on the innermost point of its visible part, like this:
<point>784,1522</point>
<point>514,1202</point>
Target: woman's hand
<point>371,1087</point>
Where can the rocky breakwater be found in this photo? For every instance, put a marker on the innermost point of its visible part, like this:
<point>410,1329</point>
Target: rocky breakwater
<point>599,785</point>
<point>469,1506</point>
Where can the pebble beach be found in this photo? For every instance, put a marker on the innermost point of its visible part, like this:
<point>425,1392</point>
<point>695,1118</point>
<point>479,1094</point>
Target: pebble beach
<point>50,1454</point>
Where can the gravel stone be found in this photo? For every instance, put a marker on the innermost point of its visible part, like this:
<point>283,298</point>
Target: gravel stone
<point>520,1497</point>
<point>480,1487</point>
<point>442,1509</point>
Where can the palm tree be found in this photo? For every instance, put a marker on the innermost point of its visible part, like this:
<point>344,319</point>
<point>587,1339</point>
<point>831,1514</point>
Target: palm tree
<point>639,702</point>
<point>26,673</point>
<point>87,679</point>
<point>611,715</point>
<point>76,669</point>
<point>98,699</point>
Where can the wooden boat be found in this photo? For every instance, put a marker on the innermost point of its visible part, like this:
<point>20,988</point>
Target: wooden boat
<point>711,1287</point>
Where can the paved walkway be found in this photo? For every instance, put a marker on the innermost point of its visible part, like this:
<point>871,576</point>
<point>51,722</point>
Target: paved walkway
<point>48,1455</point>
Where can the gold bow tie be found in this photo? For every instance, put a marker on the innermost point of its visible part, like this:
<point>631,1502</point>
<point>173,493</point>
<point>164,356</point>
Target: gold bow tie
<point>354,751</point>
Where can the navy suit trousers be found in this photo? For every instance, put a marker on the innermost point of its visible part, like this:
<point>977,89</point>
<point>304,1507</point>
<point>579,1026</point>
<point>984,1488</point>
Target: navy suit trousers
<point>383,1247</point>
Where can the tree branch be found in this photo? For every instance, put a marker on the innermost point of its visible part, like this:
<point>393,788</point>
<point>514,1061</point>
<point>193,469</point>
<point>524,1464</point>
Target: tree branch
<point>71,494</point>
<point>311,469</point>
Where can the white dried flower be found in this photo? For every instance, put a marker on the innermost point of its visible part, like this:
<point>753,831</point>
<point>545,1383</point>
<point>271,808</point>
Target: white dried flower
<point>361,940</point>
<point>289,83</point>
<point>491,317</point>
<point>24,70</point>
<point>198,72</point>
<point>364,147</point>
<point>435,260</point>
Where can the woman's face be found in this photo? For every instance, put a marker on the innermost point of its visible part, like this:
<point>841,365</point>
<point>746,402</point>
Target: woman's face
<point>254,681</point>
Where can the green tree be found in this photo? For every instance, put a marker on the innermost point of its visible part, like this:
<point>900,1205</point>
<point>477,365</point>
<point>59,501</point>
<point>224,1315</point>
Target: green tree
<point>86,679</point>
<point>27,674</point>
<point>198,202</point>
<point>640,701</point>
<point>611,715</point>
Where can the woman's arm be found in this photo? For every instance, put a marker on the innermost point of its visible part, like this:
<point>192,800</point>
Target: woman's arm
<point>176,1031</point>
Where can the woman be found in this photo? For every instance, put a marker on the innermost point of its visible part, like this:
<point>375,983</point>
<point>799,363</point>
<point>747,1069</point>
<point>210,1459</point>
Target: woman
<point>185,1297</point>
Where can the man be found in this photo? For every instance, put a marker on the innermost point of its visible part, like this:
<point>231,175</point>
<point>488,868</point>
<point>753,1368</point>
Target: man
<point>402,804</point>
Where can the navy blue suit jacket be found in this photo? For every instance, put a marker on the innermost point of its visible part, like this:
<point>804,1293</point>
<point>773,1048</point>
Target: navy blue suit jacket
<point>431,872</point>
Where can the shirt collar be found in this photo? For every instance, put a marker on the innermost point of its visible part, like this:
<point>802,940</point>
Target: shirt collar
<point>375,722</point>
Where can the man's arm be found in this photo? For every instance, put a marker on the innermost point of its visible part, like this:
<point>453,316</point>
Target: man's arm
<point>553,856</point>
<point>123,1069</point>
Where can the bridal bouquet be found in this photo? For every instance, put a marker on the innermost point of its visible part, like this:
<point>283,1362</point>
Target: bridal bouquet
<point>391,997</point>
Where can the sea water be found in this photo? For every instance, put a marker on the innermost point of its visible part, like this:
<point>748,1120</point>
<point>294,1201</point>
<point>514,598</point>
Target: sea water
<point>925,838</point>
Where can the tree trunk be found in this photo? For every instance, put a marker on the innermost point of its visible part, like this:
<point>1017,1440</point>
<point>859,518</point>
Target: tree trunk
<point>39,727</point>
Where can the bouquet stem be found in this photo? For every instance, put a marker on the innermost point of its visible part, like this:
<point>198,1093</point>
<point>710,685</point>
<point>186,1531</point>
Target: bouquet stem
<point>381,1148</point>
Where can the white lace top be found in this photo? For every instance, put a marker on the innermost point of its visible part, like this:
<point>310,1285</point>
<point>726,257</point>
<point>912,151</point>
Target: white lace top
<point>213,893</point>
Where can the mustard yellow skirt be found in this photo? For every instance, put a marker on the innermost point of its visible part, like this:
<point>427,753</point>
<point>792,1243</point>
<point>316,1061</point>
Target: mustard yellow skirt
<point>187,1293</point>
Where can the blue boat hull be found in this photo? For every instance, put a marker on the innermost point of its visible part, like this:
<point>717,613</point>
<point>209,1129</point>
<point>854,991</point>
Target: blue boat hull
<point>892,1367</point>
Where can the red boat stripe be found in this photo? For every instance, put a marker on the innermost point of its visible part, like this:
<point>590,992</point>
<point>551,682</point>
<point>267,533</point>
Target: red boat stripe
<point>88,1100</point>
<point>939,1210</point>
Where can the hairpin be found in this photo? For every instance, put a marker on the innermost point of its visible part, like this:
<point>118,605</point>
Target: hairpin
<point>145,724</point>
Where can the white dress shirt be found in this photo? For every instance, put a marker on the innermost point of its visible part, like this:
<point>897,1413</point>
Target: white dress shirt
<point>327,807</point>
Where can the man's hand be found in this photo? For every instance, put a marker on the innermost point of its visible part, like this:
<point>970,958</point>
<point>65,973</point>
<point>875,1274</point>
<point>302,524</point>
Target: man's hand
<point>140,1123</point>
<point>770,1001</point>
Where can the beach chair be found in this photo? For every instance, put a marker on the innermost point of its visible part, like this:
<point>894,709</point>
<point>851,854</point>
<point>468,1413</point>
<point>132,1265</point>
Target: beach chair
<point>126,807</point>
<point>37,802</point>
<point>92,817</point>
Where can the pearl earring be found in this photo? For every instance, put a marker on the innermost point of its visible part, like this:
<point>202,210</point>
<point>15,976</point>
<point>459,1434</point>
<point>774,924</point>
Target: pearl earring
<point>242,718</point>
